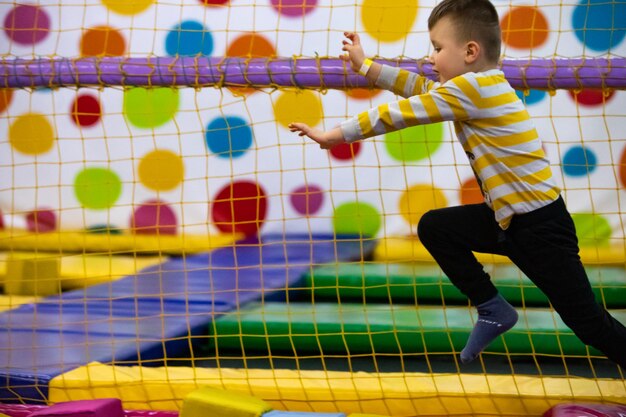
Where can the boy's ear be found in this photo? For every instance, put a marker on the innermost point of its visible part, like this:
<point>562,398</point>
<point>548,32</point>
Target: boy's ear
<point>472,51</point>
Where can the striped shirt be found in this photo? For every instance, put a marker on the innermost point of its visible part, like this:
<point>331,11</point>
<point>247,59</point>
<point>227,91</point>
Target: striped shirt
<point>491,123</point>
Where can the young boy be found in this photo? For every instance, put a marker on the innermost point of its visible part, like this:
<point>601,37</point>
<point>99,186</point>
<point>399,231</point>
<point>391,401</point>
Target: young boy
<point>523,216</point>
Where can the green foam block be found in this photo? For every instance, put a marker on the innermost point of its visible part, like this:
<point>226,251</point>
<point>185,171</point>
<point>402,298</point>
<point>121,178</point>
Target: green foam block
<point>213,402</point>
<point>413,283</point>
<point>330,328</point>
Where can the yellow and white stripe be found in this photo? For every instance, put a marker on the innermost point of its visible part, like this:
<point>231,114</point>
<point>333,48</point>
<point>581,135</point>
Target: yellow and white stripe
<point>491,123</point>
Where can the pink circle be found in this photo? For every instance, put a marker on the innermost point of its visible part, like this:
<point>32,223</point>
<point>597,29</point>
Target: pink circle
<point>39,221</point>
<point>27,24</point>
<point>1,220</point>
<point>307,200</point>
<point>153,218</point>
<point>294,8</point>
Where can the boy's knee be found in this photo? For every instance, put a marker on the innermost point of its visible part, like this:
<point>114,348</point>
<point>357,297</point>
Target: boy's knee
<point>426,226</point>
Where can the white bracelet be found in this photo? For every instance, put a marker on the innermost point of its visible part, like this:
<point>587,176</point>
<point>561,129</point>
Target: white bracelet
<point>365,67</point>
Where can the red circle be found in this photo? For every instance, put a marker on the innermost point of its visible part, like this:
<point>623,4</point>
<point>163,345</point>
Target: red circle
<point>240,207</point>
<point>622,169</point>
<point>1,221</point>
<point>86,110</point>
<point>39,221</point>
<point>346,151</point>
<point>591,97</point>
<point>214,2</point>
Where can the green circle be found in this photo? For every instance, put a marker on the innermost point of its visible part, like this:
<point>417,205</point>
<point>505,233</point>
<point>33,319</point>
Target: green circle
<point>97,188</point>
<point>356,218</point>
<point>592,229</point>
<point>150,107</point>
<point>414,143</point>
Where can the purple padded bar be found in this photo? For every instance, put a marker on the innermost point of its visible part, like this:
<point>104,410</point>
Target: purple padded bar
<point>283,72</point>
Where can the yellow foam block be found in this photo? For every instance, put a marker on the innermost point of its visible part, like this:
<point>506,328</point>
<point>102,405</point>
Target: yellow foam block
<point>393,394</point>
<point>215,402</point>
<point>68,241</point>
<point>32,274</point>
<point>410,249</point>
<point>82,270</point>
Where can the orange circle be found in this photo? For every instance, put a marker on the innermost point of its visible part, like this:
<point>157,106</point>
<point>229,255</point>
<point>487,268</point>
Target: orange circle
<point>251,45</point>
<point>102,41</point>
<point>470,192</point>
<point>5,98</point>
<point>524,27</point>
<point>363,93</point>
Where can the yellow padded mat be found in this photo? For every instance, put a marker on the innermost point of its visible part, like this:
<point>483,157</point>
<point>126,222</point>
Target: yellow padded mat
<point>393,394</point>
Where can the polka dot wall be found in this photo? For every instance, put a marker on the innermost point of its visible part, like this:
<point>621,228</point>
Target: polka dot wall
<point>172,161</point>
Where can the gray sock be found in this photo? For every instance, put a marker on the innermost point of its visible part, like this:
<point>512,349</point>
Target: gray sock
<point>495,317</point>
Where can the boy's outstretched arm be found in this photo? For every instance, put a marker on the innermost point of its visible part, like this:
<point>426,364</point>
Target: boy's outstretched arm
<point>356,57</point>
<point>326,139</point>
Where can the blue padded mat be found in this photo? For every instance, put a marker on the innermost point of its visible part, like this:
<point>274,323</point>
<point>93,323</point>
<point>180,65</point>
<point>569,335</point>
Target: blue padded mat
<point>128,320</point>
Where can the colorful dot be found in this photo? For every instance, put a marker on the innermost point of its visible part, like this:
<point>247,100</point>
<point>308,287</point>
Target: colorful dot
<point>161,170</point>
<point>27,24</point>
<point>240,207</point>
<point>97,188</point>
<point>591,97</point>
<point>622,168</point>
<point>363,93</point>
<point>6,94</point>
<point>524,27</point>
<point>346,151</point>
<point>189,38</point>
<point>419,199</point>
<point>298,106</point>
<point>86,110</point>
<point>307,199</point>
<point>414,143</point>
<point>592,229</point>
<point>470,192</point>
<point>32,134</point>
<point>41,221</point>
<point>251,45</point>
<point>294,8</point>
<point>1,220</point>
<point>388,24</point>
<point>154,217</point>
<point>126,7</point>
<point>356,218</point>
<point>599,24</point>
<point>229,136</point>
<point>579,161</point>
<point>214,2</point>
<point>150,107</point>
<point>530,97</point>
<point>102,41</point>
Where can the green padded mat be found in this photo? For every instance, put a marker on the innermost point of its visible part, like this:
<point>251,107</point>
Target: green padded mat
<point>330,328</point>
<point>426,283</point>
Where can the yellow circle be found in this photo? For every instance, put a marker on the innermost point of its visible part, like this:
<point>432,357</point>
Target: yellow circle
<point>31,134</point>
<point>388,21</point>
<point>161,170</point>
<point>127,7</point>
<point>302,106</point>
<point>419,199</point>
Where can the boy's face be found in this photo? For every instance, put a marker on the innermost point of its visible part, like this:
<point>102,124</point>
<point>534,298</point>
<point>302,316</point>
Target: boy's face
<point>448,56</point>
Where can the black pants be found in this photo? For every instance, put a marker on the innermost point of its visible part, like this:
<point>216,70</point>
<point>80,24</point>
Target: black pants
<point>543,244</point>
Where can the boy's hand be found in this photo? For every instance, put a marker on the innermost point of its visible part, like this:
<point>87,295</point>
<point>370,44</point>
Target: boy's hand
<point>355,55</point>
<point>326,140</point>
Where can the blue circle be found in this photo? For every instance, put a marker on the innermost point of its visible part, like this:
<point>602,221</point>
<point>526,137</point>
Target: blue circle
<point>578,162</point>
<point>599,24</point>
<point>228,137</point>
<point>189,38</point>
<point>534,96</point>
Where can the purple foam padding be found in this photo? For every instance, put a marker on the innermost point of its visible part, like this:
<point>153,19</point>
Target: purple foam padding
<point>104,407</point>
<point>283,72</point>
<point>586,410</point>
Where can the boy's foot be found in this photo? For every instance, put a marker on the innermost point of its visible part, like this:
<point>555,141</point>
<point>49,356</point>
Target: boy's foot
<point>495,317</point>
